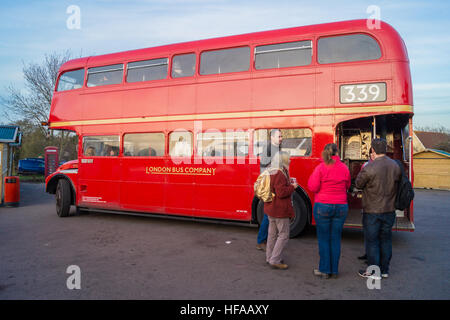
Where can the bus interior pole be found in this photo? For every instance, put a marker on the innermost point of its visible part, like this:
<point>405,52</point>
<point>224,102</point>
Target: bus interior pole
<point>382,126</point>
<point>374,126</point>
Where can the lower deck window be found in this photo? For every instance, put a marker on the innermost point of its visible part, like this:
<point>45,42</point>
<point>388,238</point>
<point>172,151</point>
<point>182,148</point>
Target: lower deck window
<point>144,144</point>
<point>223,144</point>
<point>103,146</point>
<point>297,142</point>
<point>180,144</point>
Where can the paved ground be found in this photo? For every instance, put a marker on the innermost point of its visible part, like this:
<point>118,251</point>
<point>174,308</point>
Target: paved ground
<point>128,257</point>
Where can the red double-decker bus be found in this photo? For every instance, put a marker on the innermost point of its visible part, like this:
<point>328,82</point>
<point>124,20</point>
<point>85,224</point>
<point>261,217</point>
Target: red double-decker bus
<point>177,130</point>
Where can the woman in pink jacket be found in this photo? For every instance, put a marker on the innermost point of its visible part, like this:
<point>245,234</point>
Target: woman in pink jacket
<point>330,182</point>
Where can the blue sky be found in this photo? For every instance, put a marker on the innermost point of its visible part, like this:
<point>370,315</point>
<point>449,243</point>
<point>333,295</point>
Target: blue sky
<point>30,29</point>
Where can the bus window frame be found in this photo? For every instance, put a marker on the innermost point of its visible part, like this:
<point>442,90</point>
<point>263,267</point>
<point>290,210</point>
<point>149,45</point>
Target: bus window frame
<point>196,67</point>
<point>382,51</point>
<point>55,90</point>
<point>126,68</point>
<point>122,146</point>
<point>259,44</point>
<point>282,128</point>
<point>215,75</point>
<point>193,144</point>
<point>100,135</point>
<point>223,156</point>
<point>105,85</point>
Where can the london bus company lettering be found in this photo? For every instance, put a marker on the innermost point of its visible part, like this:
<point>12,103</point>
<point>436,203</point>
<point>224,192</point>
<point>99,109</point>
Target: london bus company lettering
<point>181,170</point>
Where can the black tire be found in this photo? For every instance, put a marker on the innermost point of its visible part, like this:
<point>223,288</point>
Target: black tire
<point>260,212</point>
<point>81,211</point>
<point>298,223</point>
<point>63,198</point>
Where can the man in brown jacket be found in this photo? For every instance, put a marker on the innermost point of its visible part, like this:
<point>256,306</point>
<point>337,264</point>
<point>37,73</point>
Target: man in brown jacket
<point>379,180</point>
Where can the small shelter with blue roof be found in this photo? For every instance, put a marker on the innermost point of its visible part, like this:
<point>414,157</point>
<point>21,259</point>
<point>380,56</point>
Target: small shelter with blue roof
<point>10,137</point>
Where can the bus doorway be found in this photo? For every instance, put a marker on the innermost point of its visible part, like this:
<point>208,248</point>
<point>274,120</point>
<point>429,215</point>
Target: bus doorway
<point>354,137</point>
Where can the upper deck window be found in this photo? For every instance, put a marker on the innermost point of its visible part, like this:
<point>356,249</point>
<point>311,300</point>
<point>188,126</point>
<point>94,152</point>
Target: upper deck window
<point>183,65</point>
<point>347,48</point>
<point>71,80</point>
<point>155,69</point>
<point>225,61</point>
<point>105,75</point>
<point>282,55</point>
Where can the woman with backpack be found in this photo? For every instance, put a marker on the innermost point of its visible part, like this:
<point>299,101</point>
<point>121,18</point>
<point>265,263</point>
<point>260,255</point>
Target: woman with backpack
<point>279,210</point>
<point>330,182</point>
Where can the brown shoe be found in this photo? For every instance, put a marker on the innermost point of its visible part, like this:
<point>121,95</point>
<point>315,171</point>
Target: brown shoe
<point>281,266</point>
<point>261,246</point>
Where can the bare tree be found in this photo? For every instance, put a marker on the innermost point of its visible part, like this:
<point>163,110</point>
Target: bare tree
<point>436,128</point>
<point>33,102</point>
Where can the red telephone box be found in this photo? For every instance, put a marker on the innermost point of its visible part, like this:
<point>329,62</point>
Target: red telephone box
<point>51,160</point>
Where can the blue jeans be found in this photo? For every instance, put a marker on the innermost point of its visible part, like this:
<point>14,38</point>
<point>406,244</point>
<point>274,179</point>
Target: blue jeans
<point>378,233</point>
<point>330,220</point>
<point>263,230</point>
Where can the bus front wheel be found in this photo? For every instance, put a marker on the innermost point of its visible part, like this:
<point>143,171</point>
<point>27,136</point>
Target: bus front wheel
<point>63,198</point>
<point>298,223</point>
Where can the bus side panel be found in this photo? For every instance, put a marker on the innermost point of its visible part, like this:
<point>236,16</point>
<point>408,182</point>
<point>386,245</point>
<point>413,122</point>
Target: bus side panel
<point>180,187</point>
<point>228,192</point>
<point>145,102</point>
<point>100,105</point>
<point>225,96</point>
<point>141,188</point>
<point>99,182</point>
<point>288,92</point>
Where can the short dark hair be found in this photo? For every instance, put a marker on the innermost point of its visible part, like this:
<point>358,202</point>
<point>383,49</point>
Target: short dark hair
<point>379,146</point>
<point>273,131</point>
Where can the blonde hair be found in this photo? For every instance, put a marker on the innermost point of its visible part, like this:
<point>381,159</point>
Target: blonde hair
<point>280,160</point>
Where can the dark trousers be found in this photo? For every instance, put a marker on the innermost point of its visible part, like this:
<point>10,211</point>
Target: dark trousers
<point>378,236</point>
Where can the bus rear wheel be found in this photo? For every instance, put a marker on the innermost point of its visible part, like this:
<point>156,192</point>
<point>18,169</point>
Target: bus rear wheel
<point>63,198</point>
<point>298,223</point>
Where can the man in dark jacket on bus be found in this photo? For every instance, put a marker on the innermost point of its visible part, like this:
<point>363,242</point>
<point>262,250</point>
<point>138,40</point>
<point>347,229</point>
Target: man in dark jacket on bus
<point>379,180</point>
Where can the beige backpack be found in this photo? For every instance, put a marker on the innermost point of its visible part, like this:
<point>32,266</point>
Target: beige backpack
<point>262,185</point>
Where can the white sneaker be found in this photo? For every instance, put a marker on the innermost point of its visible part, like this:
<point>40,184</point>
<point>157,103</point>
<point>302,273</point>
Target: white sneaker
<point>366,274</point>
<point>385,275</point>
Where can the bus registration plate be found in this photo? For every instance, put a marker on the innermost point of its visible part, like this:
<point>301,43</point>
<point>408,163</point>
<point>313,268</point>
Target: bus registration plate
<point>362,92</point>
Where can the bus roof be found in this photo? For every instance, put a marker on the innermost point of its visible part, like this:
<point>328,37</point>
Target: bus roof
<point>386,33</point>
